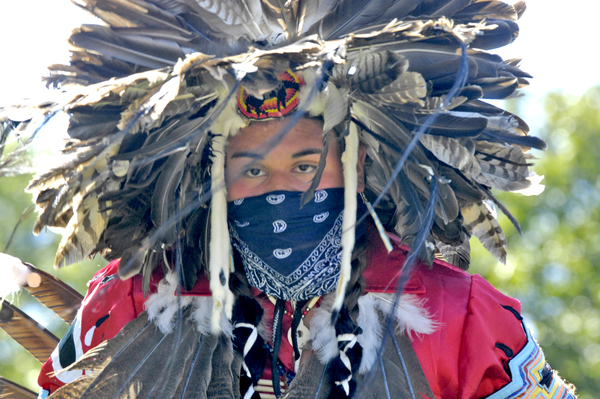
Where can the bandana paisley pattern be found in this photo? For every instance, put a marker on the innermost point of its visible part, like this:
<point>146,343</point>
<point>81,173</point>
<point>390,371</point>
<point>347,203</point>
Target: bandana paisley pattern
<point>289,252</point>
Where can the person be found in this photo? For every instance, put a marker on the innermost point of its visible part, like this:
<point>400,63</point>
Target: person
<point>459,336</point>
<point>232,195</point>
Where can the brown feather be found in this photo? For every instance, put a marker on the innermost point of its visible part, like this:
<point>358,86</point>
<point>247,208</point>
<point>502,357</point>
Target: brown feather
<point>11,390</point>
<point>54,294</point>
<point>27,332</point>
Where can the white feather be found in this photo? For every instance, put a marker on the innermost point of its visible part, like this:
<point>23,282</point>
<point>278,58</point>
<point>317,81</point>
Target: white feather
<point>410,313</point>
<point>14,275</point>
<point>372,331</point>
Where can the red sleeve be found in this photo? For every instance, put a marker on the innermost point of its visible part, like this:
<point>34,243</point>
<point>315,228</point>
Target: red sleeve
<point>109,304</point>
<point>493,334</point>
<point>479,331</point>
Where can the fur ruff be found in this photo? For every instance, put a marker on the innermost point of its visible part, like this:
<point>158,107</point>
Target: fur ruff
<point>410,316</point>
<point>163,306</point>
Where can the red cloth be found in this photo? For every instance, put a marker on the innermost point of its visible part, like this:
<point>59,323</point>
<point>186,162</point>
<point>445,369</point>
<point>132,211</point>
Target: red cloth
<point>109,304</point>
<point>460,359</point>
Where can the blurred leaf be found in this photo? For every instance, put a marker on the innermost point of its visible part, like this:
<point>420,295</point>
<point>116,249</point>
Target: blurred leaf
<point>553,268</point>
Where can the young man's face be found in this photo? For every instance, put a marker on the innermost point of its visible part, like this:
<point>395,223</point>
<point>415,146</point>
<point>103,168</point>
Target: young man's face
<point>290,166</point>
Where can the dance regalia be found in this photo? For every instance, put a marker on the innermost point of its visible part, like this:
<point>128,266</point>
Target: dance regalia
<point>446,316</point>
<point>153,97</point>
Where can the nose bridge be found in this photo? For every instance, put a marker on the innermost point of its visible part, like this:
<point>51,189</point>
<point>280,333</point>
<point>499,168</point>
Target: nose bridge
<point>282,181</point>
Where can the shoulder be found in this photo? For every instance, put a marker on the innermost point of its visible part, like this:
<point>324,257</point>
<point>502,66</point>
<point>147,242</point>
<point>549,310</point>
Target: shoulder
<point>481,346</point>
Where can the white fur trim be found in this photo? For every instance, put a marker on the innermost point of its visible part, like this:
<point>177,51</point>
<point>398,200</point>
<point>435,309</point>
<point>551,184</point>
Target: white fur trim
<point>322,332</point>
<point>163,305</point>
<point>202,316</point>
<point>14,275</point>
<point>410,316</point>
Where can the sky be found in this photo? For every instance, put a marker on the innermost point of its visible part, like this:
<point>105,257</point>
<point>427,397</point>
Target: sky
<point>557,44</point>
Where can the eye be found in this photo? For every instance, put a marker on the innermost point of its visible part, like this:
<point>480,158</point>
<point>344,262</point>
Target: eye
<point>305,168</point>
<point>255,172</point>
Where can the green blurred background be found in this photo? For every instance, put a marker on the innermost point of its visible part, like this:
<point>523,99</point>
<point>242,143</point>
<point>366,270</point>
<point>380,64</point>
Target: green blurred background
<point>552,268</point>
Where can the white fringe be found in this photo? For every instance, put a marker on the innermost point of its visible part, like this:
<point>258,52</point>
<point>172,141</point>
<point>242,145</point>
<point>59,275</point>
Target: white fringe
<point>410,316</point>
<point>13,275</point>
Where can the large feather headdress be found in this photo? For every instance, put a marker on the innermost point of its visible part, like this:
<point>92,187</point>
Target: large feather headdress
<point>151,97</point>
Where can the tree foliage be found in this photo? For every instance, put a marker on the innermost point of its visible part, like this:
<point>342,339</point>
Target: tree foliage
<point>552,268</point>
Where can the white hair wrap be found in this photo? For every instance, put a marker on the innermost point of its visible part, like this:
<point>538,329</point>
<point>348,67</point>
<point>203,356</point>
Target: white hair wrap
<point>219,237</point>
<point>349,161</point>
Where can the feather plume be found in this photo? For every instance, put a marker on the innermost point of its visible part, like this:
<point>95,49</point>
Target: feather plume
<point>452,152</point>
<point>82,233</point>
<point>409,87</point>
<point>27,332</point>
<point>349,15</point>
<point>487,10</point>
<point>164,204</point>
<point>11,390</point>
<point>53,293</point>
<point>480,221</point>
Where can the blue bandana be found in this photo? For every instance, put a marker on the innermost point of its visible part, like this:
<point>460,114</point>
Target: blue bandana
<point>289,252</point>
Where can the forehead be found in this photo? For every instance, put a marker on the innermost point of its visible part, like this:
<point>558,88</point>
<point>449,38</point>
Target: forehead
<point>306,132</point>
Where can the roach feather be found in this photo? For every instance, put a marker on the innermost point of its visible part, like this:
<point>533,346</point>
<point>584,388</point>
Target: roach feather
<point>445,124</point>
<point>349,15</point>
<point>487,10</point>
<point>54,294</point>
<point>127,48</point>
<point>27,332</point>
<point>164,204</point>
<point>11,390</point>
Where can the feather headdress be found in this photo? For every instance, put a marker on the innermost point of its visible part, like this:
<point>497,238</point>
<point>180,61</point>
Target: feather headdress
<point>152,94</point>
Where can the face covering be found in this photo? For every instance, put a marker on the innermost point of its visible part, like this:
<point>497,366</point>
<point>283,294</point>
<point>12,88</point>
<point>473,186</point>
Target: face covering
<point>289,252</point>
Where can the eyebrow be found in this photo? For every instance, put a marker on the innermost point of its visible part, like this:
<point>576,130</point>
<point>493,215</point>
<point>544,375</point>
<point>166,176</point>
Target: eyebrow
<point>247,154</point>
<point>254,155</point>
<point>308,151</point>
